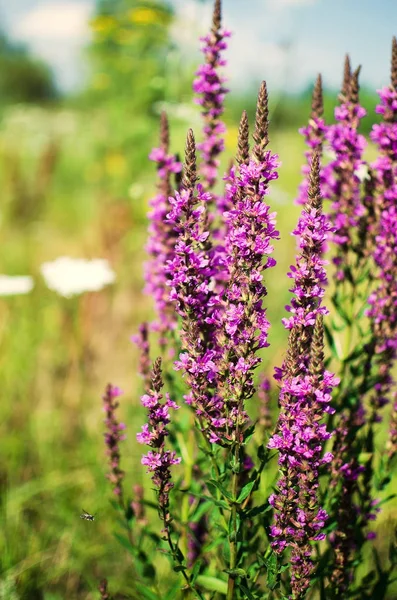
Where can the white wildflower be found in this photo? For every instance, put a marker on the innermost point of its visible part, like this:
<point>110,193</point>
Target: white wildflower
<point>13,285</point>
<point>71,276</point>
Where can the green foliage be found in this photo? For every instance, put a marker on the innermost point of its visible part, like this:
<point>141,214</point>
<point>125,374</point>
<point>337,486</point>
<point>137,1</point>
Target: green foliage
<point>22,77</point>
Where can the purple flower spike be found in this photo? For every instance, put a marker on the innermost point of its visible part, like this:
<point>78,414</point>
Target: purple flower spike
<point>211,95</point>
<point>304,399</point>
<point>343,175</point>
<point>113,436</point>
<point>314,134</point>
<point>161,239</point>
<point>158,460</point>
<point>243,324</point>
<point>192,278</point>
<point>383,300</point>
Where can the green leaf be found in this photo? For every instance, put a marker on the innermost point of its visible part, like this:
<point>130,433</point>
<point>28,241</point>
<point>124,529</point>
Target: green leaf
<point>258,510</point>
<point>219,503</point>
<point>236,572</point>
<point>272,572</point>
<point>212,584</point>
<point>125,542</point>
<point>179,568</point>
<point>219,486</point>
<point>200,511</point>
<point>172,593</point>
<point>331,342</point>
<point>247,592</point>
<point>146,592</point>
<point>196,570</point>
<point>249,432</point>
<point>245,492</point>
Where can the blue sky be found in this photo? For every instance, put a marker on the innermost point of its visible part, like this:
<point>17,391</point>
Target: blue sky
<point>286,42</point>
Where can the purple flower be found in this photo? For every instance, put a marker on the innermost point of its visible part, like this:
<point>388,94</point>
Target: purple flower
<point>158,460</point>
<point>304,398</point>
<point>242,322</point>
<point>192,274</point>
<point>341,177</point>
<point>161,239</point>
<point>383,300</point>
<point>211,92</point>
<point>314,134</point>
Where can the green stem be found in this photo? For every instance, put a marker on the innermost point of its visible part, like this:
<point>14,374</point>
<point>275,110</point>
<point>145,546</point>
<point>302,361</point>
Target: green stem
<point>233,526</point>
<point>188,476</point>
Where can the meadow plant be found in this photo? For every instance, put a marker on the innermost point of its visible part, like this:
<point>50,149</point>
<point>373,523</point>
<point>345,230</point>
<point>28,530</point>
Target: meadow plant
<point>253,499</point>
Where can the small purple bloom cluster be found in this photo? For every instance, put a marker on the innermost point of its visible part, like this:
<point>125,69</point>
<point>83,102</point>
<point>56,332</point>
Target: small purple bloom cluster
<point>343,175</point>
<point>160,244</point>
<point>211,95</point>
<point>158,460</point>
<point>314,134</point>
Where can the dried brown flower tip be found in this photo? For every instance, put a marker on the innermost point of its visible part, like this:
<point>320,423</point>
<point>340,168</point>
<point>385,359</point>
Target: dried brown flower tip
<point>217,16</point>
<point>317,350</point>
<point>243,140</point>
<point>317,99</point>
<point>157,379</point>
<point>313,193</point>
<point>260,136</point>
<point>189,177</point>
<point>291,363</point>
<point>347,75</point>
<point>164,132</point>
<point>355,86</point>
<point>394,63</point>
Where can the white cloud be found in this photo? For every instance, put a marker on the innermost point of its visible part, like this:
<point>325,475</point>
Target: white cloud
<point>253,53</point>
<point>63,21</point>
<point>280,4</point>
<point>57,32</point>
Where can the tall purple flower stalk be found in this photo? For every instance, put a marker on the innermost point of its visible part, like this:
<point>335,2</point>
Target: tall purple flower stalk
<point>192,276</point>
<point>211,92</point>
<point>314,134</point>
<point>342,176</point>
<point>304,399</point>
<point>158,460</point>
<point>161,238</point>
<point>113,436</point>
<point>242,322</point>
<point>383,300</point>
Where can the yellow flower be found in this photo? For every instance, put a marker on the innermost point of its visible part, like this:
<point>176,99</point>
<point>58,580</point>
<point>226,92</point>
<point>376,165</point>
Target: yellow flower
<point>103,24</point>
<point>144,16</point>
<point>115,164</point>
